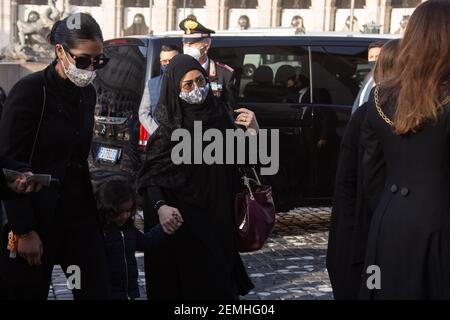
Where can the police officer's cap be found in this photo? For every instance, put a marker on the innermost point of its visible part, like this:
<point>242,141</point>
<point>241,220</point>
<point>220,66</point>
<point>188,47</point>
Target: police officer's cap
<point>194,31</point>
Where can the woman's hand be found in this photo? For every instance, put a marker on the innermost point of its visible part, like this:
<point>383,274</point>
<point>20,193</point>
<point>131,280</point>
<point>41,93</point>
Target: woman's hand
<point>170,219</point>
<point>21,185</point>
<point>247,119</point>
<point>30,248</point>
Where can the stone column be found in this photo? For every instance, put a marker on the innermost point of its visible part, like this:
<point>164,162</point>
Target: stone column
<point>276,13</point>
<point>212,14</point>
<point>385,16</point>
<point>223,14</point>
<point>318,13</point>
<point>171,15</point>
<point>264,13</point>
<point>13,16</point>
<point>330,14</point>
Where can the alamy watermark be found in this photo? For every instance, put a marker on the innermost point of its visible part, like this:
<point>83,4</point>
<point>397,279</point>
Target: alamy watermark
<point>73,21</point>
<point>190,149</point>
<point>374,280</point>
<point>73,274</point>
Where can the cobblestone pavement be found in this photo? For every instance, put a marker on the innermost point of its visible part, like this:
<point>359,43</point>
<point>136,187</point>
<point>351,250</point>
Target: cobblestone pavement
<point>290,266</point>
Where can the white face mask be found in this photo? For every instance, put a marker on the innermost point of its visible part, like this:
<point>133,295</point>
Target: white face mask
<point>193,52</point>
<point>79,77</point>
<point>195,96</point>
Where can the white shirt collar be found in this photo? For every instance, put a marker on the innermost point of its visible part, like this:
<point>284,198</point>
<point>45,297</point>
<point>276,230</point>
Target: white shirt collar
<point>206,64</point>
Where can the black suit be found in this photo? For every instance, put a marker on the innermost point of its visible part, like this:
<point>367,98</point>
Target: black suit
<point>64,215</point>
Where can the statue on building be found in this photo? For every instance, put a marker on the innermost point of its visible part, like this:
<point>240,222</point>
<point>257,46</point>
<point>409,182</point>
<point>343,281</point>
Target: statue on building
<point>244,22</point>
<point>139,27</point>
<point>348,25</point>
<point>371,27</point>
<point>403,24</point>
<point>297,23</point>
<point>33,32</point>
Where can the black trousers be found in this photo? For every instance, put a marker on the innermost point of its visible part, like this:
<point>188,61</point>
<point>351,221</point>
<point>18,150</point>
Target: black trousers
<point>79,244</point>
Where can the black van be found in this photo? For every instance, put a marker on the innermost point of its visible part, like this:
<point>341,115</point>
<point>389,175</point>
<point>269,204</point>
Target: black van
<point>310,132</point>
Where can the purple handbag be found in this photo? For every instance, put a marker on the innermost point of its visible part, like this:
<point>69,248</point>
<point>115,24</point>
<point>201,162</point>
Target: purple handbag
<point>254,214</point>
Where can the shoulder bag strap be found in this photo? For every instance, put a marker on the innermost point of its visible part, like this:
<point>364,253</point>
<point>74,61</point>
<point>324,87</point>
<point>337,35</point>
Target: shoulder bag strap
<point>39,126</point>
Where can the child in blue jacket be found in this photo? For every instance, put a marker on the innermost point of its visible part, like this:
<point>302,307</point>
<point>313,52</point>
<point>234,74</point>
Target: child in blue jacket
<point>117,205</point>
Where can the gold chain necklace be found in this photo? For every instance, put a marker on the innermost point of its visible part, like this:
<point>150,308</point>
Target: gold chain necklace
<point>380,112</point>
<point>385,117</point>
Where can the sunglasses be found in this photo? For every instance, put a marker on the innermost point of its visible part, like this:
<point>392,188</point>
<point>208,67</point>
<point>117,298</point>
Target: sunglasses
<point>189,85</point>
<point>97,62</point>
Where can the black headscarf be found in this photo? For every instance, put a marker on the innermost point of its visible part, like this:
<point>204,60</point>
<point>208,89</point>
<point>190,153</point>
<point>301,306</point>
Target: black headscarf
<point>173,113</point>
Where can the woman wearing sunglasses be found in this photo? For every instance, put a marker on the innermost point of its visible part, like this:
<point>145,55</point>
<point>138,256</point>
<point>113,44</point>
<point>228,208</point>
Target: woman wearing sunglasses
<point>48,122</point>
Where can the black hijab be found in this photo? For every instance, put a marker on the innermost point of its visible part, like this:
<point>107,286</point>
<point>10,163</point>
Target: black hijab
<point>173,113</point>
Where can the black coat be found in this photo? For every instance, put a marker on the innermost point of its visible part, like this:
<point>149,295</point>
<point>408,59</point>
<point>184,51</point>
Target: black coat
<point>60,134</point>
<point>64,215</point>
<point>409,237</point>
<point>351,214</point>
<point>120,247</point>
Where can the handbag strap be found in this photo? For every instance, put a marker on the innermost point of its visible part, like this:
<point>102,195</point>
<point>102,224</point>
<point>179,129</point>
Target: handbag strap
<point>256,177</point>
<point>39,126</point>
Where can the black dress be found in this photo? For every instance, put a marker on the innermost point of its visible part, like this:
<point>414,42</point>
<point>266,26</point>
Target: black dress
<point>409,237</point>
<point>64,215</point>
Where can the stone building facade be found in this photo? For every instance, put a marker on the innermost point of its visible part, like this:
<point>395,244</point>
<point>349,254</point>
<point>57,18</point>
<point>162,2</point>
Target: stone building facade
<point>123,17</point>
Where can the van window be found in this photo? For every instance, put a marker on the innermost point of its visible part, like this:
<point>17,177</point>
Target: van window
<point>266,74</point>
<point>338,73</point>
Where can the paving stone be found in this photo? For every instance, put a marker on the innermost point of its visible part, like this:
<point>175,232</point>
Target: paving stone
<point>290,266</point>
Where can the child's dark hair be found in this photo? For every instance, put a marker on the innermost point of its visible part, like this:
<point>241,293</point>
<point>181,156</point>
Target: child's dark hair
<point>74,28</point>
<point>110,196</point>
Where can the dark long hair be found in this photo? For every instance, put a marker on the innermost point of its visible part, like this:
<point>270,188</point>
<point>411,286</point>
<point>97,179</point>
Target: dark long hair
<point>110,196</point>
<point>422,72</point>
<point>73,29</point>
<point>386,61</point>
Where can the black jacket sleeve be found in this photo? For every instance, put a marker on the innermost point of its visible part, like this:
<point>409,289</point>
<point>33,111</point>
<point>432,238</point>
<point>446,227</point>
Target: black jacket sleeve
<point>373,163</point>
<point>154,194</point>
<point>230,90</point>
<point>18,128</point>
<point>145,241</point>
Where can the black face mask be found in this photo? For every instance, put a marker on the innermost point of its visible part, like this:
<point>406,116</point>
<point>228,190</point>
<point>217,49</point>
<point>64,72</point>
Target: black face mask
<point>164,68</point>
<point>372,64</point>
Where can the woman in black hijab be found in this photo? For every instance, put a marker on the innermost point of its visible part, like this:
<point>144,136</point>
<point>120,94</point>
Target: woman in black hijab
<point>193,202</point>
